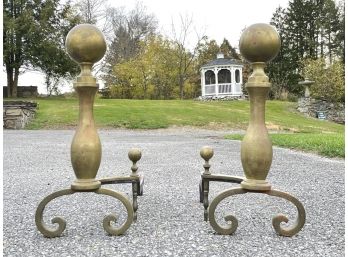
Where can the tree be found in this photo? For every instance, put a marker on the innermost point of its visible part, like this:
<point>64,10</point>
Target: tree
<point>308,29</point>
<point>149,74</point>
<point>184,57</point>
<point>329,27</point>
<point>328,80</point>
<point>207,51</point>
<point>128,30</point>
<point>91,11</point>
<point>30,29</point>
<point>228,50</point>
<point>56,65</point>
<point>339,40</point>
<point>96,12</point>
<point>50,56</point>
<point>282,70</point>
<point>160,53</point>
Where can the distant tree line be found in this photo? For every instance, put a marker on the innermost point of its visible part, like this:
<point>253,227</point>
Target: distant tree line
<point>141,63</point>
<point>313,41</point>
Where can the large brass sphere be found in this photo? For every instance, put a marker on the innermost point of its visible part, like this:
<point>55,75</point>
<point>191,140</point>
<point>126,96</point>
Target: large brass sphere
<point>259,43</point>
<point>85,43</point>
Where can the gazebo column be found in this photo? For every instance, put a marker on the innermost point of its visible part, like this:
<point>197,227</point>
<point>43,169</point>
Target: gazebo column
<point>240,80</point>
<point>232,80</point>
<point>203,81</point>
<point>216,71</point>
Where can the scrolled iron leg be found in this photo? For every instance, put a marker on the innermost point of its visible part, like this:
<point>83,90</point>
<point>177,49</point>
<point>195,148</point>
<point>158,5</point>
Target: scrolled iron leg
<point>277,220</point>
<point>115,231</point>
<point>45,230</point>
<point>232,226</point>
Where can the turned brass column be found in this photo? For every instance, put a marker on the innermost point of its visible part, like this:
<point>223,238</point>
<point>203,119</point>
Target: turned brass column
<point>258,44</point>
<point>86,45</point>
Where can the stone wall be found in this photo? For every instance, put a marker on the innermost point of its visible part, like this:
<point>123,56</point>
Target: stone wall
<point>311,107</point>
<point>17,114</point>
<point>30,91</point>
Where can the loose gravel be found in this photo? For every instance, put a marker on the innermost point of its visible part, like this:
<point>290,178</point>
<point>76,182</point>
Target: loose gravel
<point>170,217</point>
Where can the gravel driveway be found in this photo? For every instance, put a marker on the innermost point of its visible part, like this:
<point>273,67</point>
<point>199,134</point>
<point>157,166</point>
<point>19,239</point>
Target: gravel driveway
<point>170,217</point>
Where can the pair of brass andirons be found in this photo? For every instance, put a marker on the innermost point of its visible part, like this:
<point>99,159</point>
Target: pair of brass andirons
<point>86,45</point>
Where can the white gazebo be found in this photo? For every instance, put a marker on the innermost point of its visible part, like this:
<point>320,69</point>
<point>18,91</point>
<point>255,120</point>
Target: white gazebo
<point>222,77</point>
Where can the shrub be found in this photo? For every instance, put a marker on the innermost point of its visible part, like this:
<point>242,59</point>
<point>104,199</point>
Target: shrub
<point>328,80</point>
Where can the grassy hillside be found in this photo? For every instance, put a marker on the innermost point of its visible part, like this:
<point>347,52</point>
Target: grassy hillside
<point>296,131</point>
<point>330,145</point>
<point>151,114</point>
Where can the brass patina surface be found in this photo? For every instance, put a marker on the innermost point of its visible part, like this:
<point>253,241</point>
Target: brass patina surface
<point>258,44</point>
<point>86,45</point>
<point>44,229</point>
<point>110,229</point>
<point>231,227</point>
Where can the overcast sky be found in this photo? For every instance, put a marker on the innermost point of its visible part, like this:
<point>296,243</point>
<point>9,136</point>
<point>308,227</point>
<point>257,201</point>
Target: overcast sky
<point>217,19</point>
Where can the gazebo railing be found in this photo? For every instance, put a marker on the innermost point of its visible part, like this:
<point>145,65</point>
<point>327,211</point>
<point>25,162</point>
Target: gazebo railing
<point>225,88</point>
<point>210,89</point>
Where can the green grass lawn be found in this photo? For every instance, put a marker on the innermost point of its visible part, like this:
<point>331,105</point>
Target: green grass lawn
<point>303,133</point>
<point>152,114</point>
<point>330,145</point>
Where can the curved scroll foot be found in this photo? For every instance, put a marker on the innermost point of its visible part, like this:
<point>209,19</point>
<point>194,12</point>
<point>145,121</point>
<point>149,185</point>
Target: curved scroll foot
<point>45,230</point>
<point>115,231</point>
<point>277,220</point>
<point>231,227</point>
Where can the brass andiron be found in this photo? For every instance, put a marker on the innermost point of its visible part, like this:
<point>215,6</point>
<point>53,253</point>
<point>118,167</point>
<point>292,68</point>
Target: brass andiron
<point>258,44</point>
<point>86,45</point>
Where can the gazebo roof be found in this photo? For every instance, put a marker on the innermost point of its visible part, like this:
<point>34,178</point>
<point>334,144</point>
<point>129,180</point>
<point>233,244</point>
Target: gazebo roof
<point>222,61</point>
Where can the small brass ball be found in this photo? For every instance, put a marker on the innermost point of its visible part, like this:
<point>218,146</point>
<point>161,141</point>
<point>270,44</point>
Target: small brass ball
<point>85,43</point>
<point>134,154</point>
<point>259,43</point>
<point>207,153</point>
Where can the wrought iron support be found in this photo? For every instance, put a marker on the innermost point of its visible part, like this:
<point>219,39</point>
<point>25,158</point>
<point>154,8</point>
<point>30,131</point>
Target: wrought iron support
<point>86,45</point>
<point>258,44</point>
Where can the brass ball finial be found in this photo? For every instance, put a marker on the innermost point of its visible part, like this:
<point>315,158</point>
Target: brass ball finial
<point>85,43</point>
<point>207,153</point>
<point>134,154</point>
<point>259,43</point>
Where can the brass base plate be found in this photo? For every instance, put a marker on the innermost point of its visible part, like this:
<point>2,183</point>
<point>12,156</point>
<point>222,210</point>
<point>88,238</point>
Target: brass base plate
<point>256,185</point>
<point>85,185</point>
